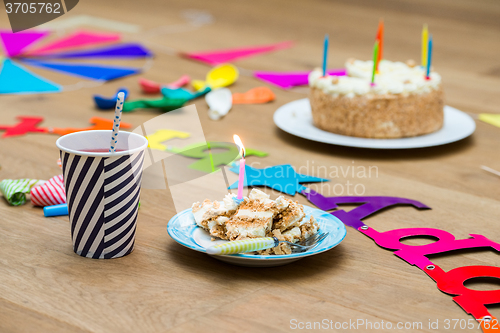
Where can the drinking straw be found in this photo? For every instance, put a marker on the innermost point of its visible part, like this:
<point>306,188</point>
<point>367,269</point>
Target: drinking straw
<point>116,122</point>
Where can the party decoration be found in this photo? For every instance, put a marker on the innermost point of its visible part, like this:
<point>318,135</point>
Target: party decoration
<point>78,39</point>
<point>165,104</point>
<point>223,56</point>
<point>254,96</point>
<point>281,178</point>
<point>49,193</point>
<point>202,152</point>
<point>26,125</point>
<point>151,87</point>
<point>130,50</point>
<point>98,123</point>
<point>55,210</point>
<point>15,43</point>
<point>490,118</point>
<point>287,80</point>
<point>95,72</point>
<point>15,190</point>
<point>105,103</point>
<point>218,77</point>
<point>15,79</point>
<point>155,140</point>
<point>452,282</point>
<point>219,102</point>
<point>241,171</point>
<point>180,93</point>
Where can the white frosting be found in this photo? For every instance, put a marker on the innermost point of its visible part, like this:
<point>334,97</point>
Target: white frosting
<point>295,233</point>
<point>392,78</point>
<point>210,210</point>
<point>282,203</point>
<point>247,230</point>
<point>247,213</point>
<point>256,194</point>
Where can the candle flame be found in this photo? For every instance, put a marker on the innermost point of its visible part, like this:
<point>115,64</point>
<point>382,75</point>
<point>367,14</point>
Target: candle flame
<point>238,142</point>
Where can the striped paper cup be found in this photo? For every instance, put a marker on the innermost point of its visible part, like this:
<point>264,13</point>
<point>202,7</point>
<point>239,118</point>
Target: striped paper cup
<point>102,191</point>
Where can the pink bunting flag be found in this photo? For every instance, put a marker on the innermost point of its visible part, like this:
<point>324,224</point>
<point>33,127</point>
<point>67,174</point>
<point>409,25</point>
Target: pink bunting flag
<point>15,43</point>
<point>228,55</point>
<point>50,193</point>
<point>287,80</point>
<point>78,39</point>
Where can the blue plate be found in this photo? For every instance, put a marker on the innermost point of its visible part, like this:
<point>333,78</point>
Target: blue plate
<point>183,229</point>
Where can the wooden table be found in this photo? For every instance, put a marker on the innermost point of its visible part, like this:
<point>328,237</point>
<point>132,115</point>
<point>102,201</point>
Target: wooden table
<point>163,286</point>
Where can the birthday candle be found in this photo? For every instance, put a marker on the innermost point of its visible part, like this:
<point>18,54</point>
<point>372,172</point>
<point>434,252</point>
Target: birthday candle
<point>241,178</point>
<point>325,54</point>
<point>429,58</point>
<point>375,55</point>
<point>380,38</point>
<point>425,34</point>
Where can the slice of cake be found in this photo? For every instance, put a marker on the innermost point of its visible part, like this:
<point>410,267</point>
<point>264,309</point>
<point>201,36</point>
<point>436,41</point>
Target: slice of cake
<point>212,216</point>
<point>290,216</point>
<point>254,217</point>
<point>401,103</point>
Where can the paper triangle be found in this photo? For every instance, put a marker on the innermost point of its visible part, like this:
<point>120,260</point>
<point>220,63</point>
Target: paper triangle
<point>223,56</point>
<point>95,72</point>
<point>114,51</point>
<point>288,80</point>
<point>15,43</point>
<point>14,79</point>
<point>78,39</point>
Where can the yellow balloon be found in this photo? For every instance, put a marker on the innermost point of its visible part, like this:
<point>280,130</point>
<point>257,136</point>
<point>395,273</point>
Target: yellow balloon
<point>220,76</point>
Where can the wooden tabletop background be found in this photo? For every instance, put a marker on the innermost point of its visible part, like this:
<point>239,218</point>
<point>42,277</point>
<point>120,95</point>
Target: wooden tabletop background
<point>162,286</point>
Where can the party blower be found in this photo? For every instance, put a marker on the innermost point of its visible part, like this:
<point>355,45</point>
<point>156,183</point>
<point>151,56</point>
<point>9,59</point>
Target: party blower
<point>102,176</point>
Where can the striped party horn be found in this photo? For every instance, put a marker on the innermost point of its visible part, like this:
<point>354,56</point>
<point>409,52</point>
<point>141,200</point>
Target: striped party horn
<point>242,246</point>
<point>49,193</point>
<point>102,191</point>
<point>15,190</point>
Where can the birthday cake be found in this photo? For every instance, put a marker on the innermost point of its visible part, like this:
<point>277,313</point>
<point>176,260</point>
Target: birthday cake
<point>402,101</point>
<point>256,216</point>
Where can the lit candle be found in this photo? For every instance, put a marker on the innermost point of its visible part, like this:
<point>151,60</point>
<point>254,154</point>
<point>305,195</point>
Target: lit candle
<point>429,58</point>
<point>380,39</point>
<point>425,36</point>
<point>241,178</point>
<point>325,54</point>
<point>375,55</point>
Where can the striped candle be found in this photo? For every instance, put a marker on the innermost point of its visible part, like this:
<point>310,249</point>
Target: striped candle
<point>116,121</point>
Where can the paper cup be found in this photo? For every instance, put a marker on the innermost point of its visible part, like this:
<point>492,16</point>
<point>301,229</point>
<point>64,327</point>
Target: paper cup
<point>102,191</point>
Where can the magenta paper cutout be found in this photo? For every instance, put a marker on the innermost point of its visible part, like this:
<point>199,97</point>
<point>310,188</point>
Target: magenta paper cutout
<point>15,43</point>
<point>78,39</point>
<point>369,206</point>
<point>228,55</point>
<point>416,255</point>
<point>287,80</point>
<point>472,301</point>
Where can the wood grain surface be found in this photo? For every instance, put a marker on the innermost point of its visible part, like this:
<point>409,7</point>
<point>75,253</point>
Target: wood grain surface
<point>162,286</point>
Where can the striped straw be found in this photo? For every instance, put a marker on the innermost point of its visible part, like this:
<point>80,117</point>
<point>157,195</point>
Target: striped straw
<point>116,122</point>
<point>242,246</point>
